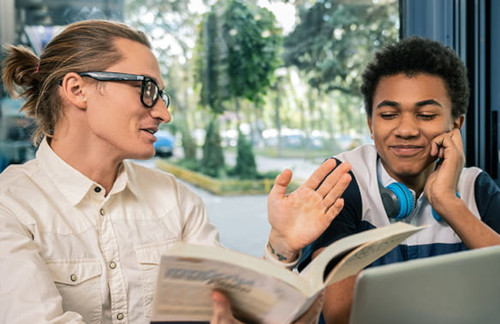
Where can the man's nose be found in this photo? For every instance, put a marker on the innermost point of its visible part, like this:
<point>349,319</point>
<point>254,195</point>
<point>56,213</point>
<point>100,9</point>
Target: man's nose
<point>160,111</point>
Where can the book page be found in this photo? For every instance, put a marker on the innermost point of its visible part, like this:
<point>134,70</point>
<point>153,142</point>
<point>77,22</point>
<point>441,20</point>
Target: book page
<point>356,253</point>
<point>361,257</point>
<point>185,284</point>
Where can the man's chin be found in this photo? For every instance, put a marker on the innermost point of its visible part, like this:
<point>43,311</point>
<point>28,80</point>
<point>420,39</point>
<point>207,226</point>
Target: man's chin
<point>143,156</point>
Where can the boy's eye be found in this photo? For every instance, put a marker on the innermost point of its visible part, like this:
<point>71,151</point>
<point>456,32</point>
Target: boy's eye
<point>388,115</point>
<point>427,116</point>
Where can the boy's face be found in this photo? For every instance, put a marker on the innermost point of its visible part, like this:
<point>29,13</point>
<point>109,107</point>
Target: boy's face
<point>408,112</point>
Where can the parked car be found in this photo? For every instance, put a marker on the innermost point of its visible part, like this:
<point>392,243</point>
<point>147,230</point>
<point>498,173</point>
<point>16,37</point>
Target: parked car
<point>165,143</point>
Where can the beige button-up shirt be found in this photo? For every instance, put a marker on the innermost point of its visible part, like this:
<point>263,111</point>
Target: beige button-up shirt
<point>68,254</point>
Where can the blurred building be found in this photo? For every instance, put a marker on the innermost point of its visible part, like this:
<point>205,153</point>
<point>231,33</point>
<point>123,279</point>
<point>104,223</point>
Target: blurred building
<point>18,16</point>
<point>33,23</point>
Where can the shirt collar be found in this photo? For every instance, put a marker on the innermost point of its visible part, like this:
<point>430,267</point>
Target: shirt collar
<point>71,182</point>
<point>383,177</point>
<point>126,179</point>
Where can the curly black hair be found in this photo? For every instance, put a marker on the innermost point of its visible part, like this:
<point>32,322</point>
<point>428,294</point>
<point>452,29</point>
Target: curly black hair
<point>416,55</point>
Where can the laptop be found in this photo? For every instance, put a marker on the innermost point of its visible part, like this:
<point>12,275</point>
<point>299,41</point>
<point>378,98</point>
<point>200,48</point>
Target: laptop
<point>462,287</point>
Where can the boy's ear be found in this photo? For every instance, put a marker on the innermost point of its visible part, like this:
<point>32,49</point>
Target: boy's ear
<point>459,121</point>
<point>72,88</point>
<point>369,122</point>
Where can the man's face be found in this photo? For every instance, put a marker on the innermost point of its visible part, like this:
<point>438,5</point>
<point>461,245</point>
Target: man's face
<point>408,112</point>
<point>118,121</point>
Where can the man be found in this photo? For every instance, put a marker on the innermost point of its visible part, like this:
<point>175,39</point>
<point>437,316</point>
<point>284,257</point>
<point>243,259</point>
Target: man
<point>82,227</point>
<point>416,95</point>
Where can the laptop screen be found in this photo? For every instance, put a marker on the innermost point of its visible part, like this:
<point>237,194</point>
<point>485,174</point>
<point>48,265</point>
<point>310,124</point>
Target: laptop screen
<point>462,287</point>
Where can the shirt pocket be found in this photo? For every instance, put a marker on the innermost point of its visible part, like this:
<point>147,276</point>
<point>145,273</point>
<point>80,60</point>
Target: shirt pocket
<point>149,257</point>
<point>79,284</point>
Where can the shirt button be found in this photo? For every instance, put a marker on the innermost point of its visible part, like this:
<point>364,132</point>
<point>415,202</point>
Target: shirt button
<point>119,316</point>
<point>73,277</point>
<point>102,212</point>
<point>112,265</point>
<point>97,189</point>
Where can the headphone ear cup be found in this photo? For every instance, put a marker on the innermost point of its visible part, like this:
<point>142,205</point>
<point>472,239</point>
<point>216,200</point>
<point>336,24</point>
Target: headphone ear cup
<point>397,199</point>
<point>405,199</point>
<point>390,201</point>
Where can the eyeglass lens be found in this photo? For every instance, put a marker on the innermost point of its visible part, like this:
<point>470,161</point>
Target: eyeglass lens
<point>150,93</point>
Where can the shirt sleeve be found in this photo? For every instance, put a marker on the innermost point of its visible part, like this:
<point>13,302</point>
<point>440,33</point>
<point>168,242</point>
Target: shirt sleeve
<point>487,194</point>
<point>27,293</point>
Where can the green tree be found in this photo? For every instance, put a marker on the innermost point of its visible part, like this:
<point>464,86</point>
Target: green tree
<point>236,54</point>
<point>169,25</point>
<point>330,45</point>
<point>253,43</point>
<point>210,77</point>
<point>212,162</point>
<point>334,40</point>
<point>210,62</point>
<point>245,168</point>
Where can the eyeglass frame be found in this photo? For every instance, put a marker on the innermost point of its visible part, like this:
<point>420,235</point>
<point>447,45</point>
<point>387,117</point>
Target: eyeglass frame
<point>118,76</point>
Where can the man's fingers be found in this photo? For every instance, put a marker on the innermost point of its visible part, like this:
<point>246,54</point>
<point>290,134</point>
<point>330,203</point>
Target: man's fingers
<point>221,309</point>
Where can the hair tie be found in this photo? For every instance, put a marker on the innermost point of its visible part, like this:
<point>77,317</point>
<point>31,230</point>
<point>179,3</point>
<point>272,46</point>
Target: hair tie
<point>37,67</point>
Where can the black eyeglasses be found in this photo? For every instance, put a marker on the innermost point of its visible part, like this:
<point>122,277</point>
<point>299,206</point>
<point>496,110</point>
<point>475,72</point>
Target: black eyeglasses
<point>150,92</point>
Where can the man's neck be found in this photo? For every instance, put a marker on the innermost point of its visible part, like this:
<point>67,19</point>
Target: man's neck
<point>95,163</point>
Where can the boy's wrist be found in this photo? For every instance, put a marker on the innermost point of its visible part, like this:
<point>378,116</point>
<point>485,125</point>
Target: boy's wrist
<point>289,261</point>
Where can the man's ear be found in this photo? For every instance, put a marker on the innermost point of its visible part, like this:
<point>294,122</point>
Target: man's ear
<point>73,90</point>
<point>459,121</point>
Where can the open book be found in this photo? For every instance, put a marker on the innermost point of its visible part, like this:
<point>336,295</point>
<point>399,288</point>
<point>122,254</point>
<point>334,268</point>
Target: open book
<point>260,291</point>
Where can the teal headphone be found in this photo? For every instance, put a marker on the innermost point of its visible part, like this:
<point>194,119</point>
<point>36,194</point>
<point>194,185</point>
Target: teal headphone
<point>397,199</point>
<point>399,202</point>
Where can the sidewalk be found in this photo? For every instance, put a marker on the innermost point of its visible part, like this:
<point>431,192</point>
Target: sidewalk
<point>301,168</point>
<point>242,220</point>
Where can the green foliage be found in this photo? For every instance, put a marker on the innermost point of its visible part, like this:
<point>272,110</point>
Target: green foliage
<point>212,163</point>
<point>253,42</point>
<point>237,52</point>
<point>237,49</point>
<point>334,40</point>
<point>246,167</point>
<point>210,71</point>
<point>169,25</point>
